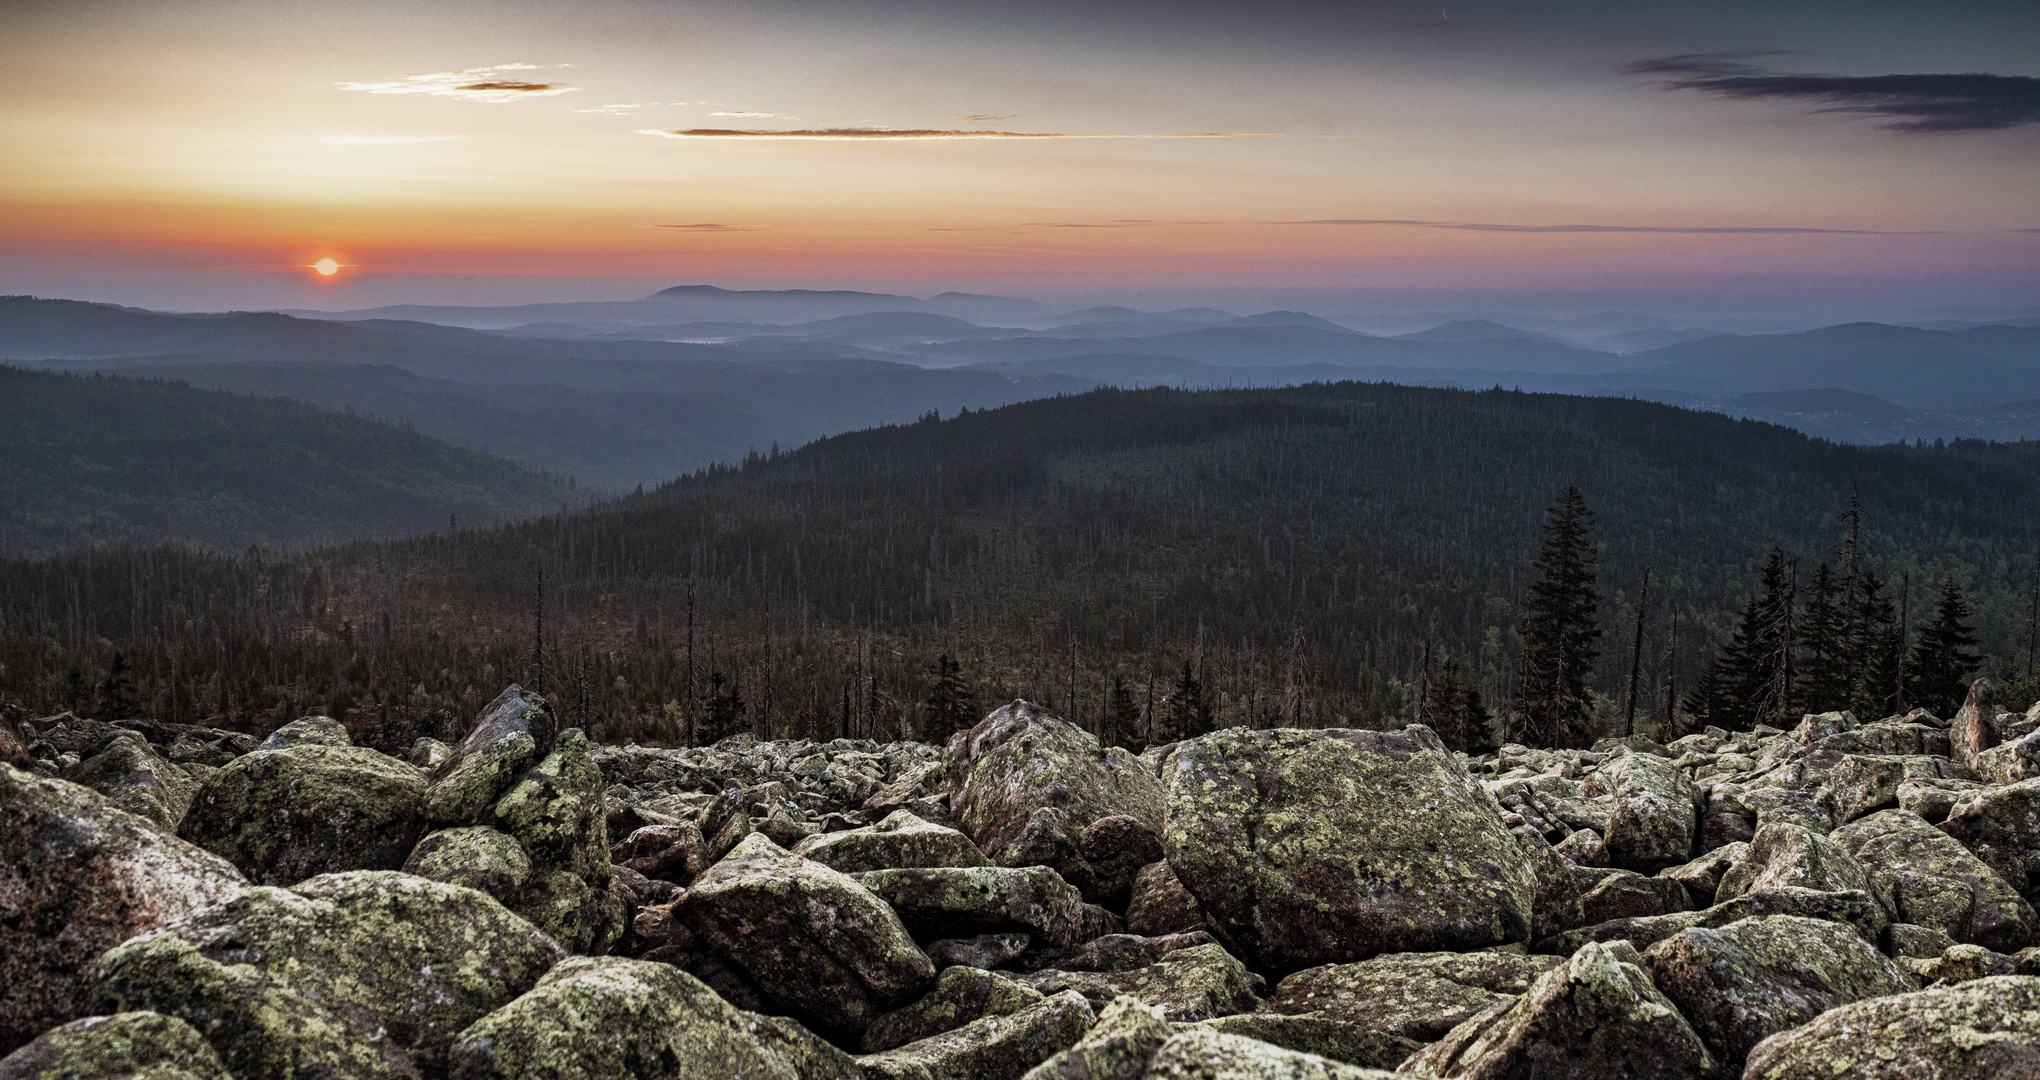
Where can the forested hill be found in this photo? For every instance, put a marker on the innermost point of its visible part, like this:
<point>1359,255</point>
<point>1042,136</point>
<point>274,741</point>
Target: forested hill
<point>106,461</point>
<point>1305,550</point>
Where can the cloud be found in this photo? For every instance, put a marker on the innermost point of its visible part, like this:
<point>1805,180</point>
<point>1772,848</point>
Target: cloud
<point>985,118</point>
<point>619,110</point>
<point>1914,103</point>
<point>385,140</point>
<point>756,115</point>
<point>474,84</point>
<point>709,226</point>
<point>874,134</point>
<point>1700,230</point>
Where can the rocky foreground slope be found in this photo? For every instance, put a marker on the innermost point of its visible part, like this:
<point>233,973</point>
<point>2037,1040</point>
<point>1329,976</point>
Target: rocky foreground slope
<point>1839,900</point>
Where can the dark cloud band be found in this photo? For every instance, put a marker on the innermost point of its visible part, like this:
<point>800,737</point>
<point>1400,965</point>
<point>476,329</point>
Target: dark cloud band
<point>1701,230</point>
<point>1915,103</point>
<point>877,134</point>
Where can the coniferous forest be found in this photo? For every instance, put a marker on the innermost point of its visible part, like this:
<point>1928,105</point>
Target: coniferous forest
<point>1154,563</point>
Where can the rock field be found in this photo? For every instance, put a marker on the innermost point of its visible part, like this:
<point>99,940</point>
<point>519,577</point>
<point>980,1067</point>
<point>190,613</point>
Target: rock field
<point>1843,899</point>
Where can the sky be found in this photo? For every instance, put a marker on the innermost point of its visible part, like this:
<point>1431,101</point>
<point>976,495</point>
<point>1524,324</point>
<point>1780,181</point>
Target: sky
<point>206,155</point>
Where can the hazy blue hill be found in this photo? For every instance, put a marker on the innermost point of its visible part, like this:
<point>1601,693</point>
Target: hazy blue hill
<point>87,460</point>
<point>1290,318</point>
<point>1828,400</point>
<point>1464,330</point>
<point>1931,369</point>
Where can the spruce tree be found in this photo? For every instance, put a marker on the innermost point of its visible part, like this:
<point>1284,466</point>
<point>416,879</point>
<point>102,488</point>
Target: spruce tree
<point>1122,718</point>
<point>1766,687</point>
<point>1189,714</point>
<point>950,699</point>
<point>1454,710</point>
<point>1561,638</point>
<point>1876,647</point>
<point>1823,629</point>
<point>1944,657</point>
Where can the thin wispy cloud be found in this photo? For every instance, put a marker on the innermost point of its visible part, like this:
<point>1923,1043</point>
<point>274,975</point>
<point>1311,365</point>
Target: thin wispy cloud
<point>709,226</point>
<point>620,110</point>
<point>916,134</point>
<point>746,114</point>
<point>473,84</point>
<point>1912,103</point>
<point>385,140</point>
<point>984,118</point>
<point>1696,230</point>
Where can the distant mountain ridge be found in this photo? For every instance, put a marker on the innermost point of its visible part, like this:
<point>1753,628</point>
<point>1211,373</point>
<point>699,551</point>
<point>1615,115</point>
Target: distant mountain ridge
<point>95,460</point>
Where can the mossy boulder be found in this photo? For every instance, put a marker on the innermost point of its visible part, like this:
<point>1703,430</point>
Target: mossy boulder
<point>1792,855</point>
<point>1749,980</point>
<point>307,731</point>
<point>961,995</point>
<point>1021,758</point>
<point>1988,1029</point>
<point>957,901</point>
<point>1118,1047</point>
<point>133,777</point>
<point>1929,879</point>
<point>606,1016</point>
<point>1203,1054</point>
<point>476,856</point>
<point>1159,904</point>
<point>2001,825</point>
<point>1314,1033</point>
<point>581,917</point>
<point>816,942</point>
<point>1418,996</point>
<point>507,739</point>
<point>1854,908</point>
<point>1623,894</point>
<point>990,1048</point>
<point>345,975</point>
<point>1598,1015</point>
<point>1195,983</point>
<point>1654,817</point>
<point>77,877</point>
<point>286,815</point>
<point>1313,847</point>
<point>902,839</point>
<point>127,1046</point>
<point>555,812</point>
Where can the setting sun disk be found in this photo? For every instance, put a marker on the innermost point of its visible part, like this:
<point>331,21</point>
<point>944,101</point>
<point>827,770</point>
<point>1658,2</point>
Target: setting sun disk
<point>326,267</point>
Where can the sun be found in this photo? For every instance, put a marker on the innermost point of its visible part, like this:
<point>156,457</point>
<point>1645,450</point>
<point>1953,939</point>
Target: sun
<point>326,267</point>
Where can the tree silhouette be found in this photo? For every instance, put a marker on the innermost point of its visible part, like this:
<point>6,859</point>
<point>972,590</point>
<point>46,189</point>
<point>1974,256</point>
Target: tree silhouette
<point>1944,656</point>
<point>1561,637</point>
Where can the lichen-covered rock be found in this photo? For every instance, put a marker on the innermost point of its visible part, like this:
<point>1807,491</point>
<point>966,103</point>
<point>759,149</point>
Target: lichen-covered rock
<point>1854,908</point>
<point>902,839</point>
<point>611,1017</point>
<point>1624,894</point>
<point>1418,996</point>
<point>511,733</point>
<point>475,856</point>
<point>957,901</point>
<point>1194,983</point>
<point>1118,848</point>
<point>1312,847</point>
<point>961,995</point>
<point>1863,784</point>
<point>1974,728</point>
<point>1988,1029</point>
<point>818,943</point>
<point>1021,758</point>
<point>134,778</point>
<point>555,812</point>
<point>345,975</point>
<point>1203,1054</point>
<point>1932,799</point>
<point>1908,939</point>
<point>285,815</point>
<point>428,753</point>
<point>1929,879</point>
<point>1159,904</point>
<point>984,951</point>
<point>1746,981</point>
<point>1792,855</point>
<point>990,1048</point>
<point>581,917</point>
<point>1959,963</point>
<point>1702,877</point>
<point>1118,1046</point>
<point>673,852</point>
<point>128,1046</point>
<point>307,731</point>
<point>1598,1015</point>
<point>1652,824</point>
<point>77,877</point>
<point>1315,1033</point>
<point>2002,826</point>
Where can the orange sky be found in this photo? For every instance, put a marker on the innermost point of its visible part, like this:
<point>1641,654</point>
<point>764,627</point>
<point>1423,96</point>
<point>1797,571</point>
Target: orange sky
<point>217,148</point>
